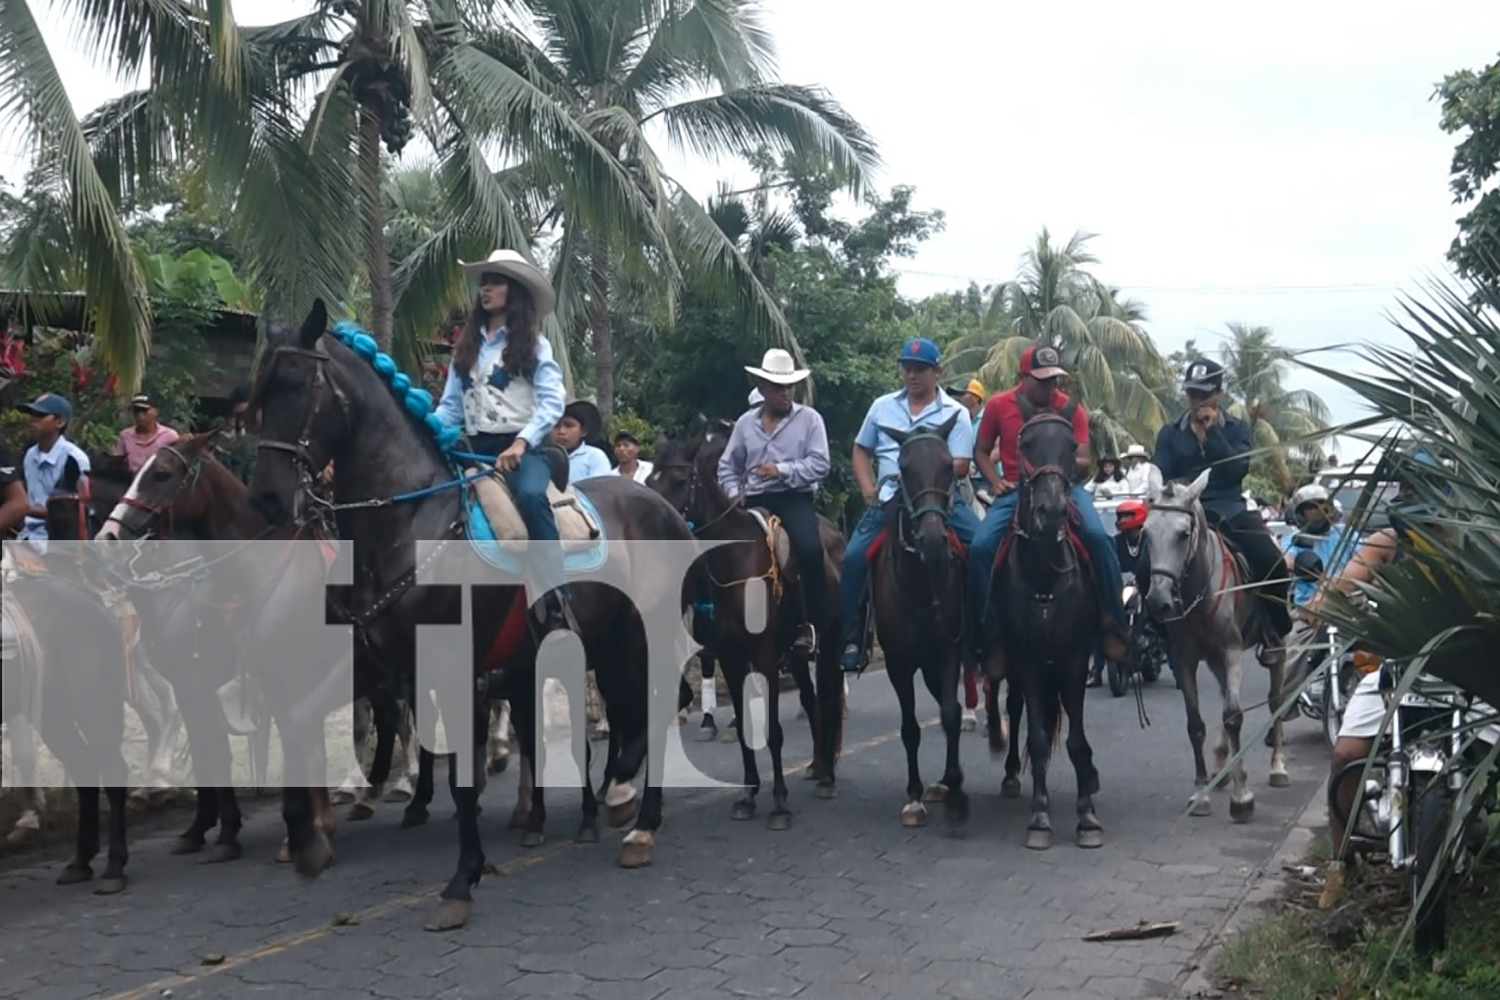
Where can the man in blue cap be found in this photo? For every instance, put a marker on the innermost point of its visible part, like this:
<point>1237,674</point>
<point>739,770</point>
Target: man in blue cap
<point>44,460</point>
<point>920,403</point>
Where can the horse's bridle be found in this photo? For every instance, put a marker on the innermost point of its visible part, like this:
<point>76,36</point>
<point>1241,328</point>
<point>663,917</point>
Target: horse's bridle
<point>943,508</point>
<point>192,470</point>
<point>1032,473</point>
<point>300,449</point>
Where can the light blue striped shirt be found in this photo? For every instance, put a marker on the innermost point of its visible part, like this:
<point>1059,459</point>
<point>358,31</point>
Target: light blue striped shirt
<point>586,461</point>
<point>892,410</point>
<point>43,470</point>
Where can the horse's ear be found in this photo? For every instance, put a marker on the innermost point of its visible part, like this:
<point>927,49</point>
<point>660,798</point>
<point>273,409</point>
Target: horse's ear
<point>700,421</point>
<point>1195,489</point>
<point>896,435</point>
<point>71,473</point>
<point>314,325</point>
<point>947,427</point>
<point>661,442</point>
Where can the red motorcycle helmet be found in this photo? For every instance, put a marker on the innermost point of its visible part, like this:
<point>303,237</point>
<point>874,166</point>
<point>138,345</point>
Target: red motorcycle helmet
<point>1130,515</point>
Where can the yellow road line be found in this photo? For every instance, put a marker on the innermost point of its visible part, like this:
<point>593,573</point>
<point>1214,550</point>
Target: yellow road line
<point>308,936</point>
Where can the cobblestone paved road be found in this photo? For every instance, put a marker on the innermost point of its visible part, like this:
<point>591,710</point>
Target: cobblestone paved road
<point>847,904</point>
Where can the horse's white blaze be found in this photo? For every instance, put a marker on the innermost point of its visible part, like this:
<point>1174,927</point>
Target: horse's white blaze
<point>617,794</point>
<point>640,837</point>
<point>112,524</point>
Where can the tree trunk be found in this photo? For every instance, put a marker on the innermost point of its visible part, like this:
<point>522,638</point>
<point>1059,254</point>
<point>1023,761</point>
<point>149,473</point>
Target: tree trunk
<point>600,332</point>
<point>382,308</point>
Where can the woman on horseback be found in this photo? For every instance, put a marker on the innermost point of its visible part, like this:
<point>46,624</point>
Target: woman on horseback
<point>506,391</point>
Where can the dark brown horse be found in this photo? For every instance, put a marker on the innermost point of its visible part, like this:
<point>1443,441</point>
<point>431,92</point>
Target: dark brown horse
<point>1050,610</point>
<point>322,398</point>
<point>65,671</point>
<point>686,473</point>
<point>918,594</point>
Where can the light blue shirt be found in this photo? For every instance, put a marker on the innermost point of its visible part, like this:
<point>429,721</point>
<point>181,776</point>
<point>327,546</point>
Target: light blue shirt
<point>547,380</point>
<point>585,461</point>
<point>43,470</point>
<point>892,410</point>
<point>797,446</point>
<point>1331,549</point>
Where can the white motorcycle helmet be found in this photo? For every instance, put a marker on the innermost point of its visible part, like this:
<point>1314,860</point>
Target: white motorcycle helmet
<point>1311,493</point>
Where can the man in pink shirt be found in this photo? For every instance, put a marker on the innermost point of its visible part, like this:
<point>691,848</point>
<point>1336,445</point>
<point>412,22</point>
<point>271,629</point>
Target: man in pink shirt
<point>141,441</point>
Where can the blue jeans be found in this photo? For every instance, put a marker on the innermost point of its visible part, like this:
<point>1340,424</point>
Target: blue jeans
<point>1100,545</point>
<point>528,486</point>
<point>857,557</point>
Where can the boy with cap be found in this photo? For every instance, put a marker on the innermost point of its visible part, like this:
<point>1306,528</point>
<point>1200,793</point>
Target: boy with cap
<point>44,460</point>
<point>1004,416</point>
<point>628,451</point>
<point>919,403</point>
<point>141,441</point>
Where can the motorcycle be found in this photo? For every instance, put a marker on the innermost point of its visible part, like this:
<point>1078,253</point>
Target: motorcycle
<point>1440,736</point>
<point>1150,651</point>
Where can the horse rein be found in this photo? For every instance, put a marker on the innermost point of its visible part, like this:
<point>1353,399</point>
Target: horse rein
<point>300,449</point>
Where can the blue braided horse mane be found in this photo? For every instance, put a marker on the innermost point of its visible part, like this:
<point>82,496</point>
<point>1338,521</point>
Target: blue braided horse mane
<point>419,405</point>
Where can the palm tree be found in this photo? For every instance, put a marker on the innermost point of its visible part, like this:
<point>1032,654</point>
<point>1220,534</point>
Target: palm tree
<point>1056,301</point>
<point>1286,423</point>
<point>701,71</point>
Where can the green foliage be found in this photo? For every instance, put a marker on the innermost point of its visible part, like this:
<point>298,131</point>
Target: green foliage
<point>1471,105</point>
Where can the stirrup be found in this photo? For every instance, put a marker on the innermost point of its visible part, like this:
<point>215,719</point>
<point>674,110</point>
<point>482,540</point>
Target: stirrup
<point>806,641</point>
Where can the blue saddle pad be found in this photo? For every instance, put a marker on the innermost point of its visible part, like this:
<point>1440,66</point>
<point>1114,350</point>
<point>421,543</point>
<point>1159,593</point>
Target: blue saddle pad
<point>576,559</point>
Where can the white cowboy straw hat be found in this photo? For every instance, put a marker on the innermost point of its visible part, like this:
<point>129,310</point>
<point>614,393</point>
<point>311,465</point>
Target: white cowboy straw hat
<point>513,265</point>
<point>778,367</point>
<point>1136,451</point>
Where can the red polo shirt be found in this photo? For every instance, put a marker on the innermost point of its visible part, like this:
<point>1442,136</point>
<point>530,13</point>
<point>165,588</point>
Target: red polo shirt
<point>1002,422</point>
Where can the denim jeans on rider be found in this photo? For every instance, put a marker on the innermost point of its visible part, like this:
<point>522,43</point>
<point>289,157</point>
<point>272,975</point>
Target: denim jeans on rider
<point>1098,541</point>
<point>856,557</point>
<point>528,485</point>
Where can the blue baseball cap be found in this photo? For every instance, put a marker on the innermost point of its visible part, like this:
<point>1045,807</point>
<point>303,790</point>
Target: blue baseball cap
<point>921,351</point>
<point>48,404</point>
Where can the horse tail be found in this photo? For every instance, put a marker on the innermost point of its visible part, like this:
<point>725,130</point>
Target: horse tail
<point>1054,731</point>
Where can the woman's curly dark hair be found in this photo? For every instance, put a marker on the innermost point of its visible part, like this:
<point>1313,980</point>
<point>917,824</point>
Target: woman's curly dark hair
<point>519,355</point>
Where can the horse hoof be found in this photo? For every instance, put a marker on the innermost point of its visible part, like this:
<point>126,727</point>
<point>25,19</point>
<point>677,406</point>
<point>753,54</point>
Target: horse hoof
<point>914,814</point>
<point>1200,807</point>
<point>588,833</point>
<point>635,855</point>
<point>533,838</point>
<point>413,817</point>
<point>623,814</point>
<point>1038,840</point>
<point>313,859</point>
<point>222,853</point>
<point>969,722</point>
<point>75,874</point>
<point>956,809</point>
<point>731,735</point>
<point>360,811</point>
<point>826,790</point>
<point>935,793</point>
<point>110,885</point>
<point>707,733</point>
<point>186,845</point>
<point>398,795</point>
<point>1090,838</point>
<point>781,820</point>
<point>450,914</point>
<point>20,837</point>
<point>283,854</point>
<point>498,764</point>
<point>1010,788</point>
<point>341,798</point>
<point>1280,779</point>
<point>1240,812</point>
<point>742,810</point>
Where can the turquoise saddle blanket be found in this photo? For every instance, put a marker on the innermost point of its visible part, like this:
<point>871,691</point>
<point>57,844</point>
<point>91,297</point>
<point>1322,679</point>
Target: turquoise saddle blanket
<point>576,558</point>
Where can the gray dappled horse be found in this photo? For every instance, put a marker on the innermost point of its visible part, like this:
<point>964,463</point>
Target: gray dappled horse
<point>1050,610</point>
<point>920,603</point>
<point>1198,590</point>
<point>322,401</point>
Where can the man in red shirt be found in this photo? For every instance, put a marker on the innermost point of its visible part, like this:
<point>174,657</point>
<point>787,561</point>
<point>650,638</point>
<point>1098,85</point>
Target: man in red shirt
<point>1041,369</point>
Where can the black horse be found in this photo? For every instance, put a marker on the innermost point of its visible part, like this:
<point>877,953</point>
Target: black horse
<point>65,671</point>
<point>322,401</point>
<point>920,603</point>
<point>1051,623</point>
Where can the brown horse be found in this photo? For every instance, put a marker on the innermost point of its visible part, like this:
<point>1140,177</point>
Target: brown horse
<point>322,400</point>
<point>686,473</point>
<point>917,578</point>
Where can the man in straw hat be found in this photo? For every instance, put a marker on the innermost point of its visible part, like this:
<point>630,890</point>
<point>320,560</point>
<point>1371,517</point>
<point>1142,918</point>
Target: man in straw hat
<point>776,456</point>
<point>506,391</point>
<point>580,423</point>
<point>1142,479</point>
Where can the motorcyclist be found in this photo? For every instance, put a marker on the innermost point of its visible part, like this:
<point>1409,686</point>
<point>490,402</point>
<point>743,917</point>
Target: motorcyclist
<point>1130,549</point>
<point>1313,515</point>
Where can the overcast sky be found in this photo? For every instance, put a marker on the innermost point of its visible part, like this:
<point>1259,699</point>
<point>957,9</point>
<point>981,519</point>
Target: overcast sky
<point>1279,164</point>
